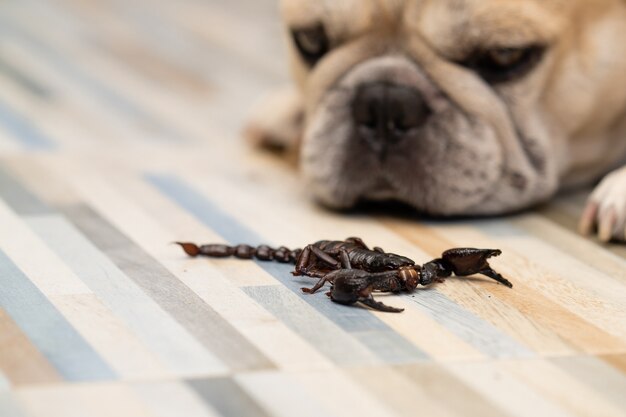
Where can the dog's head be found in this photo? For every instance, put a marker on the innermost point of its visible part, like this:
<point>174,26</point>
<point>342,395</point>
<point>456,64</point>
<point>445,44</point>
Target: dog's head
<point>451,106</point>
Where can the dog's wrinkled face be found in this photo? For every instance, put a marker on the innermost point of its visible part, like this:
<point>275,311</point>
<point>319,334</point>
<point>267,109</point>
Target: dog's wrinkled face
<point>452,106</point>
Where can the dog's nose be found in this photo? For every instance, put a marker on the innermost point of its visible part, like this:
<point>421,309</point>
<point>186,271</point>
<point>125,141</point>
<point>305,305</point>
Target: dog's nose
<point>386,113</point>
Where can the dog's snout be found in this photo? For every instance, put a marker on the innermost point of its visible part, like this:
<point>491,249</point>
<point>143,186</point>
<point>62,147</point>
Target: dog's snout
<point>386,113</point>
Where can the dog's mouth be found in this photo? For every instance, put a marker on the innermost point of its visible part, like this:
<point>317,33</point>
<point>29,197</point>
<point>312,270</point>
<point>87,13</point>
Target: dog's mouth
<point>381,189</point>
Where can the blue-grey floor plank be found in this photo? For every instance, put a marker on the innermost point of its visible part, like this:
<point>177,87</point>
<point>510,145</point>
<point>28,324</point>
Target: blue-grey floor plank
<point>474,330</point>
<point>22,130</point>
<point>227,397</point>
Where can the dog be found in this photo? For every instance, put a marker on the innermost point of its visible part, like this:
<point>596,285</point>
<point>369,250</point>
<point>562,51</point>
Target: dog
<point>456,107</point>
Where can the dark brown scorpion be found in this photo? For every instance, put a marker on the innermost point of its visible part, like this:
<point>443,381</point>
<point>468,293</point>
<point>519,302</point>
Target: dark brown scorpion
<point>356,271</point>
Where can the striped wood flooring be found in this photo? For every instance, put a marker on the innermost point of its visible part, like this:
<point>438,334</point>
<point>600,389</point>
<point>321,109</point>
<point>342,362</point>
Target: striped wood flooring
<point>119,133</point>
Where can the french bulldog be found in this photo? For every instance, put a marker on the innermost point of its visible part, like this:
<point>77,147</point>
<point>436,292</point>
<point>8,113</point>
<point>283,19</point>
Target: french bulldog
<point>457,107</point>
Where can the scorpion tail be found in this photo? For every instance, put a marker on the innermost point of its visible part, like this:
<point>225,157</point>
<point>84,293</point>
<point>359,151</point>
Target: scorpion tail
<point>261,252</point>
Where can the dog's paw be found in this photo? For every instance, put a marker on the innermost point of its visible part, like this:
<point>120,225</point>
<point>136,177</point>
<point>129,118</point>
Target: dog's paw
<point>277,122</point>
<point>606,209</point>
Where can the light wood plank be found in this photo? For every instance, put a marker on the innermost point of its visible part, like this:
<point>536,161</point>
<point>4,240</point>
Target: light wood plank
<point>20,361</point>
<point>95,400</point>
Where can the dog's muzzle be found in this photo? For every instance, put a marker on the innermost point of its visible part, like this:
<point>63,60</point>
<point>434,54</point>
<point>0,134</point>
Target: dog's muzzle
<point>386,114</point>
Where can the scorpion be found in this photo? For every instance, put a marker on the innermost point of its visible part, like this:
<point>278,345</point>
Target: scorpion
<point>356,271</point>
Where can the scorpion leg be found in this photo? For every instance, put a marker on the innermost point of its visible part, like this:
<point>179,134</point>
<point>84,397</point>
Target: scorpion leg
<point>316,287</point>
<point>360,242</point>
<point>377,305</point>
<point>316,273</point>
<point>324,278</point>
<point>306,261</point>
<point>357,241</point>
<point>303,261</point>
<point>345,259</point>
<point>323,256</point>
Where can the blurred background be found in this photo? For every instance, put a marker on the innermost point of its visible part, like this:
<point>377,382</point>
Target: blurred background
<point>74,72</point>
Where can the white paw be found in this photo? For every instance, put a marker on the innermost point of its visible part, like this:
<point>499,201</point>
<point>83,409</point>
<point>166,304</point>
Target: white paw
<point>606,208</point>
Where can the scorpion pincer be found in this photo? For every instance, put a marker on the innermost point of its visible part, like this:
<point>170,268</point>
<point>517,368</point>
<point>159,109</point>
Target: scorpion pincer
<point>356,285</point>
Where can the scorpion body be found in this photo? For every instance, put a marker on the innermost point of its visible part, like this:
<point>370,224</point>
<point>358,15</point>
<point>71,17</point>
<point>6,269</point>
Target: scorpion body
<point>328,254</point>
<point>355,271</point>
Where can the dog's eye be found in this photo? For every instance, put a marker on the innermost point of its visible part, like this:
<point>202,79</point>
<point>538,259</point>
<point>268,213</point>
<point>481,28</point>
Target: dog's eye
<point>499,65</point>
<point>312,43</point>
<point>505,57</point>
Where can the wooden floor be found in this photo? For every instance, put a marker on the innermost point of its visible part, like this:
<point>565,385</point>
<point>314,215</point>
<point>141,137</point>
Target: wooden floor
<point>119,133</point>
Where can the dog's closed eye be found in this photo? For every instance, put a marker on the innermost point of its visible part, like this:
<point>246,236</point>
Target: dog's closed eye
<point>312,43</point>
<point>504,64</point>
